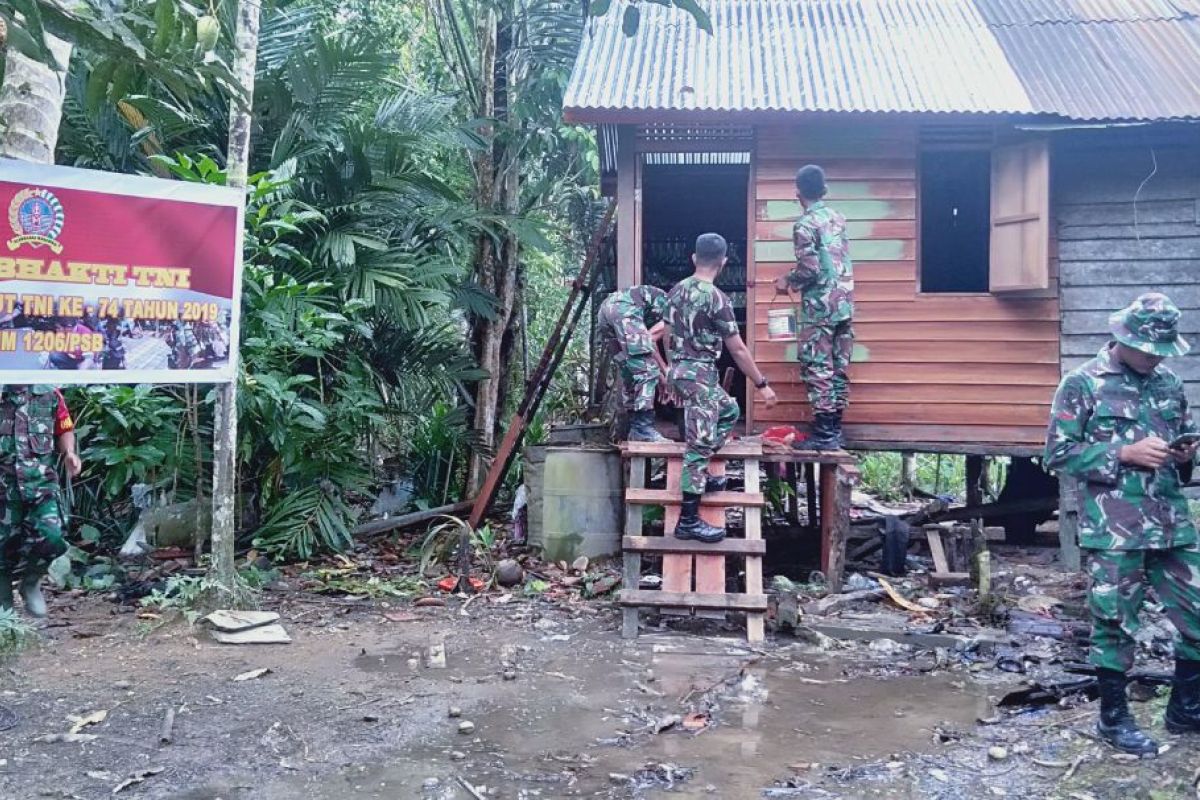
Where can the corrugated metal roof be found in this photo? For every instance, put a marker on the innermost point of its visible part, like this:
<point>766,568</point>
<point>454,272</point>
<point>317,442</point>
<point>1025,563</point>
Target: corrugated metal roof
<point>1079,59</point>
<point>1032,12</point>
<point>785,55</point>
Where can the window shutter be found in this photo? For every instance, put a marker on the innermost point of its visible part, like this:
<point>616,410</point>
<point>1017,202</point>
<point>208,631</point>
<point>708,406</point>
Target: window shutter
<point>1020,236</point>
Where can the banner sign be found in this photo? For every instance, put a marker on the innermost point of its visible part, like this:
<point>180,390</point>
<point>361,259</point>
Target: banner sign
<point>110,278</point>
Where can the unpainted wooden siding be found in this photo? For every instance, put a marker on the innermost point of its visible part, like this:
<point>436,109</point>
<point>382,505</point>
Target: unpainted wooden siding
<point>930,370</point>
<point>1109,254</point>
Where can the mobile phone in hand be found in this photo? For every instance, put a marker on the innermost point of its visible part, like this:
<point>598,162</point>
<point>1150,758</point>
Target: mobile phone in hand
<point>1184,440</point>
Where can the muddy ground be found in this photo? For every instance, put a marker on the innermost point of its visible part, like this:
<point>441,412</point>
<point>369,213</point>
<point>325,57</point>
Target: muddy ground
<point>560,705</point>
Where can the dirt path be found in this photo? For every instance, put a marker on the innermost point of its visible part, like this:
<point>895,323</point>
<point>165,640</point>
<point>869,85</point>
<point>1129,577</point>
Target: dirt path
<point>561,707</point>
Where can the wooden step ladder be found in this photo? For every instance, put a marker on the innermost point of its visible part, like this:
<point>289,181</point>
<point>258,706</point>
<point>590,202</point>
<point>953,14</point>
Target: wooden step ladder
<point>694,573</point>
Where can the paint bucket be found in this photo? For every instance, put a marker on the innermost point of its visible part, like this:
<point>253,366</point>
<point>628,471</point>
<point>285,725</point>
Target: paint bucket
<point>781,325</point>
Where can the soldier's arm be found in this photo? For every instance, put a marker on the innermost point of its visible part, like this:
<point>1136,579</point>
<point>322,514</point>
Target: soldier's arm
<point>656,335</point>
<point>1067,449</point>
<point>808,261</point>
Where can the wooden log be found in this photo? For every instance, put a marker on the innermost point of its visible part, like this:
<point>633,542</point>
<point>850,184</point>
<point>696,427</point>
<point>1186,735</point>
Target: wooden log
<point>375,527</point>
<point>722,602</point>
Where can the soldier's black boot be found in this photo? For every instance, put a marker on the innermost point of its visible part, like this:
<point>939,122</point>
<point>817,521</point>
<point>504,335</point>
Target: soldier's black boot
<point>641,428</point>
<point>1116,724</point>
<point>692,527</point>
<point>715,483</point>
<point>1183,709</point>
<point>6,592</point>
<point>824,433</point>
<point>836,430</point>
<point>31,593</point>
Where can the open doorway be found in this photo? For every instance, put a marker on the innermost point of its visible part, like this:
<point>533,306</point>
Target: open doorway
<point>683,196</point>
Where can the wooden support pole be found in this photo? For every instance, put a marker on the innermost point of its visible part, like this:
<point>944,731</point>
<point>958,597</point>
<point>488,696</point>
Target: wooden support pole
<point>631,576</point>
<point>1068,524</point>
<point>975,468</point>
<point>907,470</point>
<point>810,495</point>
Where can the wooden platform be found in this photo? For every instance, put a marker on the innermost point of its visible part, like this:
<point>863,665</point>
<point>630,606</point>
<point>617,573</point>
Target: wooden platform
<point>694,579</point>
<point>694,573</point>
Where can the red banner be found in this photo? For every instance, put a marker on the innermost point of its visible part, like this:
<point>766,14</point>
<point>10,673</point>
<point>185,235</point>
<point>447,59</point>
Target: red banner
<point>109,278</point>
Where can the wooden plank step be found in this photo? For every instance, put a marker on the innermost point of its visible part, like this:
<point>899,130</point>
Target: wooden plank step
<point>808,457</point>
<point>739,449</point>
<point>669,544</point>
<point>666,497</point>
<point>721,602</point>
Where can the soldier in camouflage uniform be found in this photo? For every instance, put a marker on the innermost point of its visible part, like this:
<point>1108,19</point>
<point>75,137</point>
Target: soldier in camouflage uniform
<point>631,325</point>
<point>824,277</point>
<point>1114,422</point>
<point>700,320</point>
<point>31,530</point>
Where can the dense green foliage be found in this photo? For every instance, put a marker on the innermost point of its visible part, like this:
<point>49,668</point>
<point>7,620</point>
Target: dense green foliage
<point>362,229</point>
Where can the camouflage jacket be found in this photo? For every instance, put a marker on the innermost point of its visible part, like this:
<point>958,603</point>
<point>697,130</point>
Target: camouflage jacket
<point>823,273</point>
<point>1101,406</point>
<point>645,306</point>
<point>700,317</point>
<point>27,428</point>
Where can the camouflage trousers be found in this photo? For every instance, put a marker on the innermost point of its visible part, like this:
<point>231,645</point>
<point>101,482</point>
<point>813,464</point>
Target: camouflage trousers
<point>632,350</point>
<point>31,527</point>
<point>824,359</point>
<point>1119,580</point>
<point>709,414</point>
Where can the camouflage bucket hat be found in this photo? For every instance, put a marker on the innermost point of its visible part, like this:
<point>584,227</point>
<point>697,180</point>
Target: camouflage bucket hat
<point>1150,324</point>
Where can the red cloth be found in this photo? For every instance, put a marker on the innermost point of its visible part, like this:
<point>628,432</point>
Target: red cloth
<point>62,416</point>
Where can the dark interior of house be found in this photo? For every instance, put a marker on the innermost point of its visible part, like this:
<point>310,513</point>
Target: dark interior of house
<point>955,220</point>
<point>682,201</point>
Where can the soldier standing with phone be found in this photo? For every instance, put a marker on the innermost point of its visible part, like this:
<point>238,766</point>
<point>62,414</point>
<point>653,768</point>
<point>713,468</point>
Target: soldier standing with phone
<point>1121,427</point>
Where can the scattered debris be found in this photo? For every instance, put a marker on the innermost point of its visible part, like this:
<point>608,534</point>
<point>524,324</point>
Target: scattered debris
<point>696,721</point>
<point>454,712</point>
<point>400,616</point>
<point>997,753</point>
<point>252,674</point>
<point>264,634</point>
<point>234,621</point>
<point>466,727</point>
<point>168,727</point>
<point>137,777</point>
<point>509,572</point>
<point>66,738</point>
<point>429,602</point>
<point>78,723</point>
<point>435,655</point>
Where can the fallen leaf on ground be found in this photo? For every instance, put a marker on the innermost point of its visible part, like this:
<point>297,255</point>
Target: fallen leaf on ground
<point>695,721</point>
<point>400,616</point>
<point>900,600</point>
<point>427,602</point>
<point>136,778</point>
<point>93,718</point>
<point>252,674</point>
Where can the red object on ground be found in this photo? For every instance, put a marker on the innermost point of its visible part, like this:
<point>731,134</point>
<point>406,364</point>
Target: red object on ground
<point>448,584</point>
<point>784,434</point>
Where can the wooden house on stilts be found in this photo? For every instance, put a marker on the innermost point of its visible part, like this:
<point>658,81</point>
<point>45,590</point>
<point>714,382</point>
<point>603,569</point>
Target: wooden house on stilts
<point>1012,170</point>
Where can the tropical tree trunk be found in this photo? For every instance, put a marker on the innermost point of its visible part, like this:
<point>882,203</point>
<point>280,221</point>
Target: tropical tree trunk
<point>224,569</point>
<point>31,102</point>
<point>494,184</point>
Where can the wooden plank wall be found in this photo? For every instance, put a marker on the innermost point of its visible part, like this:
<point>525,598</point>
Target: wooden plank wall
<point>1107,260</point>
<point>949,371</point>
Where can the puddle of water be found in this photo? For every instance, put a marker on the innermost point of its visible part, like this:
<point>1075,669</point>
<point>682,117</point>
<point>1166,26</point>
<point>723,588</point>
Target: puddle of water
<point>559,738</point>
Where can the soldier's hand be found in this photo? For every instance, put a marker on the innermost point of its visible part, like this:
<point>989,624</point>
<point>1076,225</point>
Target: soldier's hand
<point>1149,453</point>
<point>781,284</point>
<point>768,396</point>
<point>74,464</point>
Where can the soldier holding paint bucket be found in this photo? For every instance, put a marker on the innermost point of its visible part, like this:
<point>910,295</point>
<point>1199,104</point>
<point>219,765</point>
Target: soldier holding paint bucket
<point>824,278</point>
